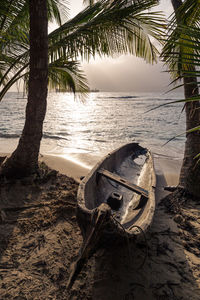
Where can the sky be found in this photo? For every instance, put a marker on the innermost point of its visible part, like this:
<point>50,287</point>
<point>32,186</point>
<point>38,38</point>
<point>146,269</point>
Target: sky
<point>125,73</point>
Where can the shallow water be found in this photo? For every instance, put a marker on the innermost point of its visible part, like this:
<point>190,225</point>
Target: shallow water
<point>100,124</point>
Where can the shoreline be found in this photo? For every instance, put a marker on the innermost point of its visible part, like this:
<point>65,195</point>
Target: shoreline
<point>76,165</point>
<point>65,166</point>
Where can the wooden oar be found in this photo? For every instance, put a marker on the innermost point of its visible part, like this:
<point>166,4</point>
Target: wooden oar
<point>99,219</point>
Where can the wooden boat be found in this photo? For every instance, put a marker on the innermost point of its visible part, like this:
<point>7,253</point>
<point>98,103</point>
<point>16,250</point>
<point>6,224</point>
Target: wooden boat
<point>116,201</point>
<point>124,183</point>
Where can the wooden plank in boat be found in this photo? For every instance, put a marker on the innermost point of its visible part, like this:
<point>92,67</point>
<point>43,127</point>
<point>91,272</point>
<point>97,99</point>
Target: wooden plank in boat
<point>122,181</point>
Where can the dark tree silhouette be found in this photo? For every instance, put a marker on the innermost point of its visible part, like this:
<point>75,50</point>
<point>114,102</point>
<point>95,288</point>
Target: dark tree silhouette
<point>190,170</point>
<point>24,160</point>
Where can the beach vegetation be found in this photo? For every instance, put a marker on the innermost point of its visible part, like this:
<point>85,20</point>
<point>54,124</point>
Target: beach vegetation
<point>105,28</point>
<point>182,55</point>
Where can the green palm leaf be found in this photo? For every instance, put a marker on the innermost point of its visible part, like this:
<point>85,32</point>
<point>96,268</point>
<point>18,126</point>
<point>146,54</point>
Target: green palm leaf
<point>67,75</point>
<point>106,28</point>
<point>181,53</point>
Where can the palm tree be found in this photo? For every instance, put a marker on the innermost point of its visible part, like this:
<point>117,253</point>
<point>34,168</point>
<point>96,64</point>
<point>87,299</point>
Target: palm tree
<point>106,28</point>
<point>180,54</point>
<point>25,156</point>
<point>14,47</point>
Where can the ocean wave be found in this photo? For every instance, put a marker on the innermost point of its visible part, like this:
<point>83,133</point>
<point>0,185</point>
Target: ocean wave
<point>119,97</point>
<point>108,120</point>
<point>45,136</point>
<point>54,137</point>
<point>100,141</point>
<point>96,140</point>
<point>140,98</point>
<point>84,130</point>
<point>62,133</point>
<point>9,136</point>
<point>159,99</point>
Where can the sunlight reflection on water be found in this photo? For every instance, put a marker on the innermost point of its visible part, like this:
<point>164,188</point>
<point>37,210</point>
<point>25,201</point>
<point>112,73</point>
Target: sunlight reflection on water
<point>101,123</point>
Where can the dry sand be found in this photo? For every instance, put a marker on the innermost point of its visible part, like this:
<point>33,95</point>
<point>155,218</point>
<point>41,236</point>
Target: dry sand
<point>66,166</point>
<point>39,238</point>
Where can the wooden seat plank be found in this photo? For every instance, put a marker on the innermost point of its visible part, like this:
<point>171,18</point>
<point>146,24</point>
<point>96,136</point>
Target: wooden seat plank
<point>124,182</point>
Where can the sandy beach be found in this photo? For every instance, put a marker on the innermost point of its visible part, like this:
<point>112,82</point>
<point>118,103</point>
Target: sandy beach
<point>40,238</point>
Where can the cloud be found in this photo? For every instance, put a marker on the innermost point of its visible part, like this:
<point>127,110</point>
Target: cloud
<point>126,74</point>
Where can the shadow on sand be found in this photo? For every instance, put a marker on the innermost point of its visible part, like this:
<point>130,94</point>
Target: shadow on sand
<point>38,236</point>
<point>38,244</point>
<point>167,273</point>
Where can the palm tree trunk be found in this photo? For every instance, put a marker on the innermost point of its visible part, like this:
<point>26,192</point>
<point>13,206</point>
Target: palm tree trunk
<point>190,170</point>
<point>24,160</point>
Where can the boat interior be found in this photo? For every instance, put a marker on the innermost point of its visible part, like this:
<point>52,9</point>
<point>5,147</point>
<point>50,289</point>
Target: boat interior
<point>124,180</point>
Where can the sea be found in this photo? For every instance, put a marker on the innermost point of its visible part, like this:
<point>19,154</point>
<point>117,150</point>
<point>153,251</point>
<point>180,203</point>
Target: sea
<point>99,123</point>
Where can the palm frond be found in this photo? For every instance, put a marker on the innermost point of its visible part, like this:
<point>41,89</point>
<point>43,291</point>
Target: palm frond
<point>109,28</point>
<point>58,10</point>
<point>193,99</point>
<point>67,76</point>
<point>183,38</point>
<point>182,52</point>
<point>14,37</point>
<point>189,13</point>
<point>194,129</point>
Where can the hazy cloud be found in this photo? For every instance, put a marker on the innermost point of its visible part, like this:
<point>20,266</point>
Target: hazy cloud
<point>127,73</point>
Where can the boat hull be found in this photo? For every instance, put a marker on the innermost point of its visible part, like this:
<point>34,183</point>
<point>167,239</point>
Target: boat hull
<point>134,164</point>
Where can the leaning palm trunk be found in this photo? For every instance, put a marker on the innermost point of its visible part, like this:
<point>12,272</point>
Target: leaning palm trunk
<point>24,159</point>
<point>190,170</point>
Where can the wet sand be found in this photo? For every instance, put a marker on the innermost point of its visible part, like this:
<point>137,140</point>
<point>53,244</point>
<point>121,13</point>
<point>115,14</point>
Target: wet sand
<point>80,164</point>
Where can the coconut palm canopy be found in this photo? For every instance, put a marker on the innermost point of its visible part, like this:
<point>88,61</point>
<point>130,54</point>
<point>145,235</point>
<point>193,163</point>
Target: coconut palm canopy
<point>185,64</point>
<point>181,50</point>
<point>107,27</point>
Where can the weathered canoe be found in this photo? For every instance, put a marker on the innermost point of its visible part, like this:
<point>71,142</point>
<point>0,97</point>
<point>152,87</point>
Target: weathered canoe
<point>125,179</point>
<point>116,201</point>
